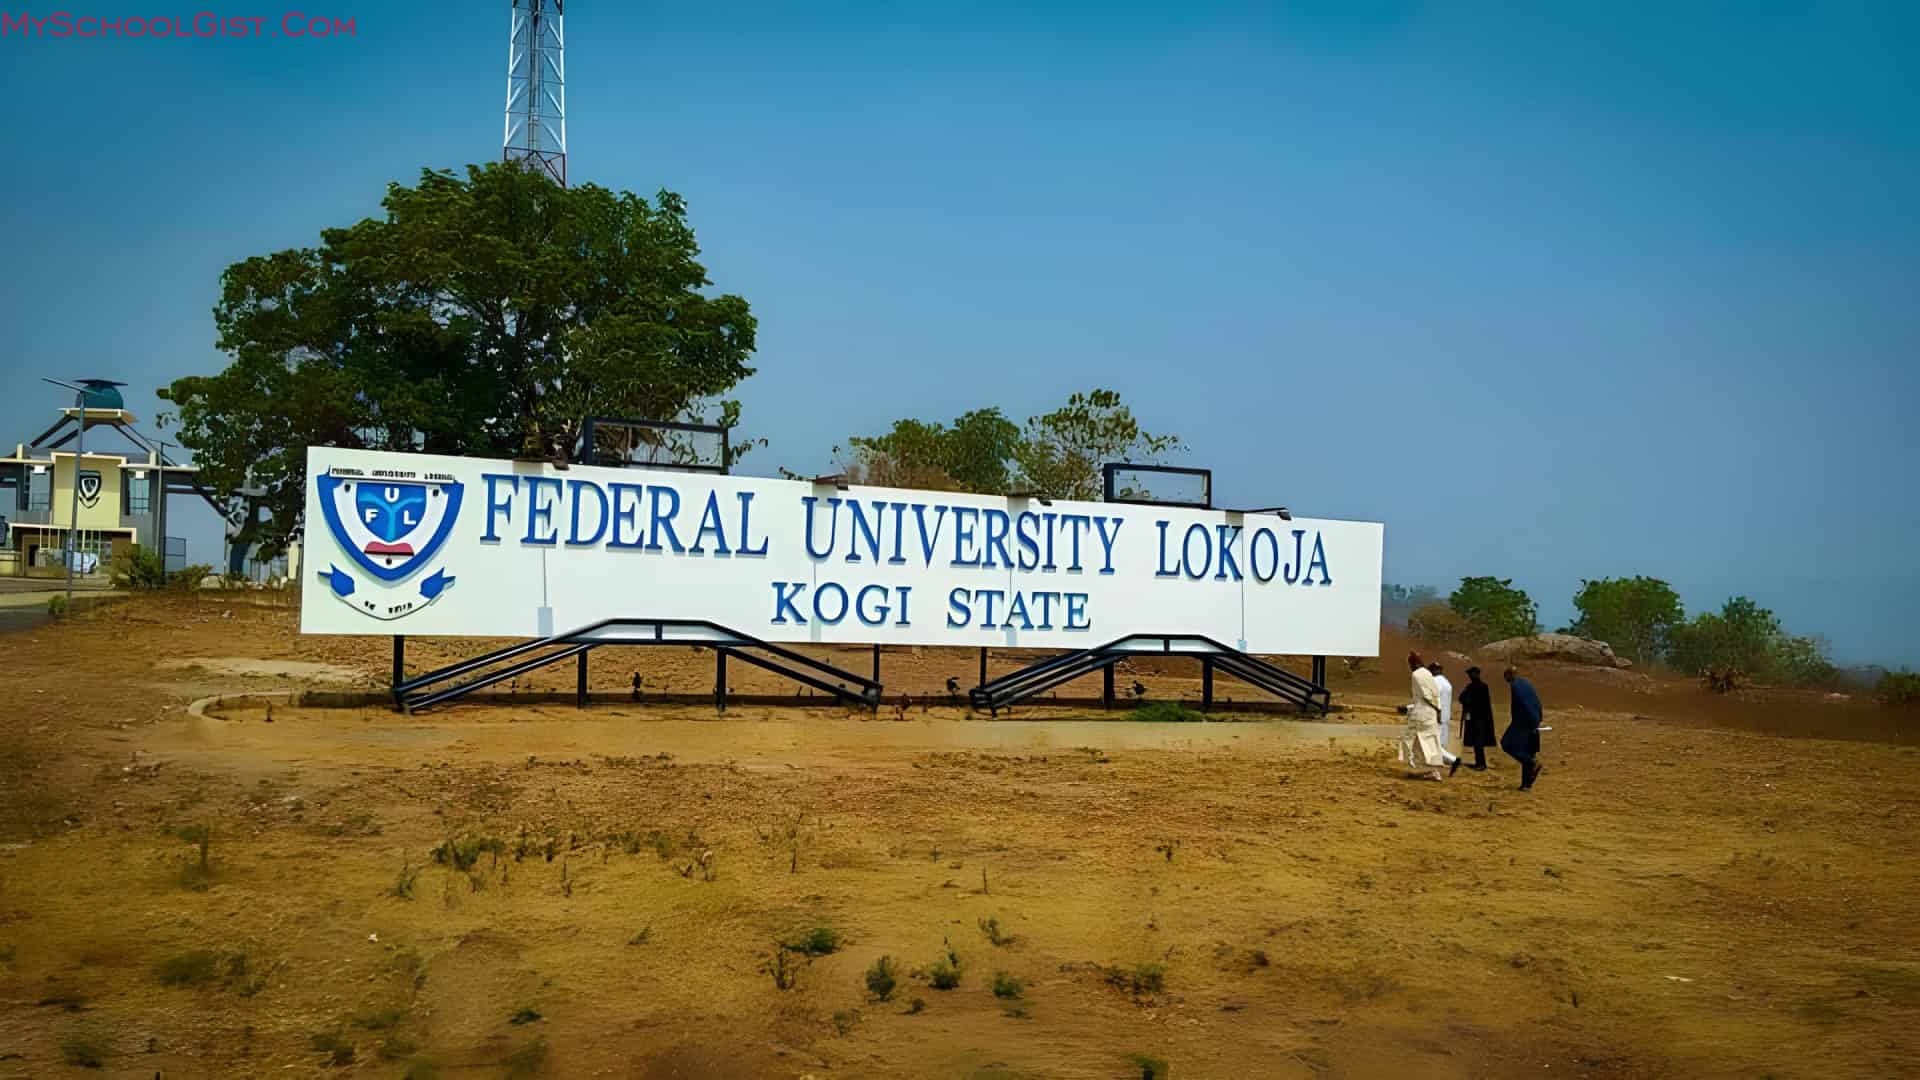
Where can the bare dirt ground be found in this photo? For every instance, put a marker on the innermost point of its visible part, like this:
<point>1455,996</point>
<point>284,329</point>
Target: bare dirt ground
<point>1698,886</point>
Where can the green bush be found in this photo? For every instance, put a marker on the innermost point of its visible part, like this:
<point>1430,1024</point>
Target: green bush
<point>1006,986</point>
<point>1899,688</point>
<point>1745,639</point>
<point>1495,608</point>
<point>882,977</point>
<point>1438,624</point>
<point>140,568</point>
<point>818,941</point>
<point>943,975</point>
<point>1165,712</point>
<point>57,605</point>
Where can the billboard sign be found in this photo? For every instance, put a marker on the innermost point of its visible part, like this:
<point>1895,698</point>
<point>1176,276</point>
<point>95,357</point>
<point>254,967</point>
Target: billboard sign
<point>420,544</point>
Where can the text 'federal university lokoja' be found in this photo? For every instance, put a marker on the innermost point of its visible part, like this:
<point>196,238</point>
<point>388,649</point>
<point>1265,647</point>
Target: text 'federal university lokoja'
<point>420,544</point>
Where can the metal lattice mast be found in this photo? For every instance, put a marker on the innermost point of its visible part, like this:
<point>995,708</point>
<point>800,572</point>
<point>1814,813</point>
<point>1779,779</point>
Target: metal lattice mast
<point>536,130</point>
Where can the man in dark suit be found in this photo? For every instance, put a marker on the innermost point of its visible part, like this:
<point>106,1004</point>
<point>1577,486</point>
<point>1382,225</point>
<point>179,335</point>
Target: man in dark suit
<point>1521,740</point>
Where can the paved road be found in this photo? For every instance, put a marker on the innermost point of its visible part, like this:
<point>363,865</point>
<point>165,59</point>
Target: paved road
<point>23,602</point>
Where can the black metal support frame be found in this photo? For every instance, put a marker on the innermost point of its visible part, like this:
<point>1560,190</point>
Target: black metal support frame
<point>1040,677</point>
<point>589,451</point>
<point>1114,468</point>
<point>457,680</point>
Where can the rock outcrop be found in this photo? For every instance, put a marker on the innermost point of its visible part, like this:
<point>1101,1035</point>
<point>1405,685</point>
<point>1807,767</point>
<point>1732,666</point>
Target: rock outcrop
<point>1563,647</point>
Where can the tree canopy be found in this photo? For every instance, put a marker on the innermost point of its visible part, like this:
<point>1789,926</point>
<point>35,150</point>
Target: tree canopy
<point>1746,638</point>
<point>1494,607</point>
<point>1634,615</point>
<point>483,314</point>
<point>1058,454</point>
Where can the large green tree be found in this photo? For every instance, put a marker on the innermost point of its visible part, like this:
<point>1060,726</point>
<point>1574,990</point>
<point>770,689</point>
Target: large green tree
<point>1747,639</point>
<point>482,314</point>
<point>1634,615</point>
<point>1494,607</point>
<point>974,453</point>
<point>1060,454</point>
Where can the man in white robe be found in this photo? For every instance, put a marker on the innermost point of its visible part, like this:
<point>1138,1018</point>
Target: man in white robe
<point>1420,746</point>
<point>1446,717</point>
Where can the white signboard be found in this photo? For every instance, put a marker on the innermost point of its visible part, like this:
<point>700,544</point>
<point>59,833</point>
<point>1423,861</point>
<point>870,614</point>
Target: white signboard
<point>419,544</point>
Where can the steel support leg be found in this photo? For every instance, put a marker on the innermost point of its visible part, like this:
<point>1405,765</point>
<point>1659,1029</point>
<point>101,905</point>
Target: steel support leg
<point>720,680</point>
<point>399,661</point>
<point>1206,683</point>
<point>580,685</point>
<point>1106,687</point>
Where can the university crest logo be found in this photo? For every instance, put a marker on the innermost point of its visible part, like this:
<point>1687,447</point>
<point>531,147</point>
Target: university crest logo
<point>392,529</point>
<point>89,488</point>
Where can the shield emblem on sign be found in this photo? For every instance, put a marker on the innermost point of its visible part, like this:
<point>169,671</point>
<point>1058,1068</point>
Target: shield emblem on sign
<point>391,528</point>
<point>89,488</point>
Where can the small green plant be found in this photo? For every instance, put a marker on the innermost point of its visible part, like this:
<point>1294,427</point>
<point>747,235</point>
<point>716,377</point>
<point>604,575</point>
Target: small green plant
<point>916,1006</point>
<point>1006,986</point>
<point>197,875</point>
<point>1151,1068</point>
<point>1164,712</point>
<point>396,1049</point>
<point>943,975</point>
<point>844,1020</point>
<point>57,607</point>
<point>641,938</point>
<point>819,941</point>
<point>463,854</point>
<point>882,977</point>
<point>991,928</point>
<point>339,1051</point>
<point>784,971</point>
<point>1149,977</point>
<point>194,968</point>
<point>525,1014</point>
<point>402,886</point>
<point>85,1048</point>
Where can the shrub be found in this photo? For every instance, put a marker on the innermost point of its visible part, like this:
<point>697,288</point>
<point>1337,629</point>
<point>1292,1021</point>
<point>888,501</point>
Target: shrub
<point>1151,1068</point>
<point>1164,712</point>
<point>1898,688</point>
<point>1438,624</point>
<point>991,928</point>
<point>57,605</point>
<point>1006,986</point>
<point>943,975</point>
<point>139,568</point>
<point>882,977</point>
<point>1144,978</point>
<point>818,941</point>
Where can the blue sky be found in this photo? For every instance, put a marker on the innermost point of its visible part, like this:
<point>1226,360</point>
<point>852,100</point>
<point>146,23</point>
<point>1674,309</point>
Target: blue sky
<point>1554,294</point>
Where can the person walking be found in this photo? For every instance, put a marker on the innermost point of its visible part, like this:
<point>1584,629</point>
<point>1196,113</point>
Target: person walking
<point>1476,715</point>
<point>1521,740</point>
<point>1420,745</point>
<point>1446,715</point>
